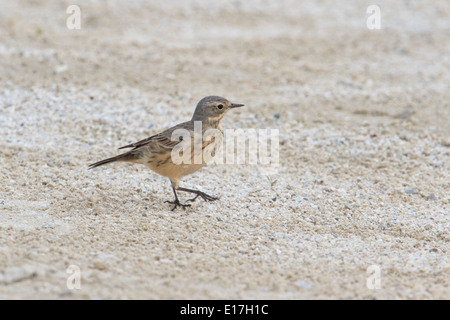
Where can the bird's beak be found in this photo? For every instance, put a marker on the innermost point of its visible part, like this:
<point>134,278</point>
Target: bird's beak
<point>236,105</point>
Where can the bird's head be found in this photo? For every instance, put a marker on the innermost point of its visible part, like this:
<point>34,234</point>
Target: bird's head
<point>213,108</point>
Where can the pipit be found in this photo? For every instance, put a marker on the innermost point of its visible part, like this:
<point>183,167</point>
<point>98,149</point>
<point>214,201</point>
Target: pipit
<point>156,152</point>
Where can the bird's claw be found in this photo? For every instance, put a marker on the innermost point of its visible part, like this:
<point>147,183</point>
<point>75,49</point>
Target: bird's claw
<point>176,204</point>
<point>204,196</point>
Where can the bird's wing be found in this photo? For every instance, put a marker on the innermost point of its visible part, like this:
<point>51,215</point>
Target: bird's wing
<point>162,140</point>
<point>139,143</point>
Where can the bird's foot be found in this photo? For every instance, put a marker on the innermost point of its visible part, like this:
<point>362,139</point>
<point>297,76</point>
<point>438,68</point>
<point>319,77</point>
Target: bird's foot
<point>177,203</point>
<point>204,196</point>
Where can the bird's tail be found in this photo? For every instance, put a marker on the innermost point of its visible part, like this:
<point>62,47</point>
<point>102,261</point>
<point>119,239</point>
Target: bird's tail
<point>128,156</point>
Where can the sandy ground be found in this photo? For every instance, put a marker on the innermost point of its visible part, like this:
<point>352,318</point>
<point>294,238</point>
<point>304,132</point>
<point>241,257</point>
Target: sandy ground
<point>364,178</point>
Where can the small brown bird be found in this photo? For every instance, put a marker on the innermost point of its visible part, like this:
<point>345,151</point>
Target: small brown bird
<point>156,152</point>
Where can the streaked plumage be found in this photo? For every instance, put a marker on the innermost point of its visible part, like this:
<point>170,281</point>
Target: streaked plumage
<point>156,151</point>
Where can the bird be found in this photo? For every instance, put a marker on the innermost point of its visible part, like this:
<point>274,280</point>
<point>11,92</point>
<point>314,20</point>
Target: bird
<point>159,152</point>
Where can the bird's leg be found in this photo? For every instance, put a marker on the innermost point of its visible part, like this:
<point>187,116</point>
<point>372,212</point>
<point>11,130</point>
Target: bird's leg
<point>177,202</point>
<point>198,193</point>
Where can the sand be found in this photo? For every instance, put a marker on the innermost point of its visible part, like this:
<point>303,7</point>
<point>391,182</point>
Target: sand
<point>359,208</point>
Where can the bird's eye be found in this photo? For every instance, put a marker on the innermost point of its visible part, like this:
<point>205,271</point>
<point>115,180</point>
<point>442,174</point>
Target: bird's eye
<point>220,106</point>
